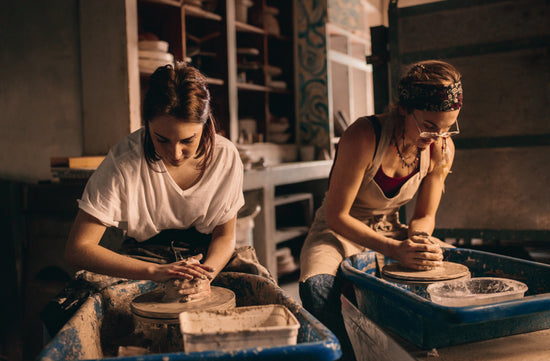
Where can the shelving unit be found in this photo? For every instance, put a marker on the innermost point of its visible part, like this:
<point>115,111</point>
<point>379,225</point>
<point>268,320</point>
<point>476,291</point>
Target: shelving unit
<point>287,185</point>
<point>288,232</point>
<point>264,101</point>
<point>293,217</point>
<point>349,77</point>
<point>211,38</point>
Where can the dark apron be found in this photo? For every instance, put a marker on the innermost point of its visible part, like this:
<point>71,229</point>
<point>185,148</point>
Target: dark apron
<point>177,244</point>
<point>168,246</point>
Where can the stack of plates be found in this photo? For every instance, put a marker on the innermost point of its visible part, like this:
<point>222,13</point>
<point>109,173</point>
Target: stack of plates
<point>277,130</point>
<point>272,72</point>
<point>153,54</point>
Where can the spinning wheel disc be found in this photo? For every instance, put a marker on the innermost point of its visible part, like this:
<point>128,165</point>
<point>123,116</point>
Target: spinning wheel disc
<point>150,305</point>
<point>447,271</point>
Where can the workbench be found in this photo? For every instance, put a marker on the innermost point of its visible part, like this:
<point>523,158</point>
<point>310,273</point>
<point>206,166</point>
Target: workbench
<point>266,180</point>
<point>374,343</point>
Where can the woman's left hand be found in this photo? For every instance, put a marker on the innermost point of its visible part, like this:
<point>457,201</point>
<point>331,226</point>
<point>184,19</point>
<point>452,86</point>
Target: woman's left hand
<point>419,253</point>
<point>193,279</point>
<point>190,289</point>
<point>190,269</point>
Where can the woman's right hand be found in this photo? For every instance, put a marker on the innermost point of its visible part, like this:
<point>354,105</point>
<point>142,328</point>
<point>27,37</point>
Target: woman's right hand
<point>418,253</point>
<point>187,269</point>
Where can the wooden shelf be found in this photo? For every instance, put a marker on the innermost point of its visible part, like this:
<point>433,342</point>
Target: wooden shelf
<point>288,233</point>
<point>292,198</point>
<point>261,88</point>
<point>254,87</point>
<point>214,81</point>
<point>211,81</point>
<point>354,37</point>
<point>174,3</point>
<point>247,28</point>
<point>346,59</point>
<point>197,12</point>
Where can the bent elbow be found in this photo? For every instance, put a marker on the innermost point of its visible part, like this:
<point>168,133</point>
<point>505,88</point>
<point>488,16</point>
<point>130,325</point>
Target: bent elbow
<point>334,221</point>
<point>69,256</point>
<point>72,255</point>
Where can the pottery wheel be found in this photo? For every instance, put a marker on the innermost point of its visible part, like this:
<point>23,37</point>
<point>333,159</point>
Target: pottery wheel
<point>447,271</point>
<point>151,305</point>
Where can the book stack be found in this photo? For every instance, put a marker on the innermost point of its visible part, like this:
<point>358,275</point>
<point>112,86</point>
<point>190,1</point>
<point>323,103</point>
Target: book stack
<point>67,169</point>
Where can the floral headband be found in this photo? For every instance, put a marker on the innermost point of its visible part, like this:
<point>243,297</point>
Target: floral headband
<point>430,97</point>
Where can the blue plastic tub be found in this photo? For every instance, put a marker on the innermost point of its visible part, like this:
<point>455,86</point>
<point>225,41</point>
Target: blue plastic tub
<point>93,331</point>
<point>410,314</point>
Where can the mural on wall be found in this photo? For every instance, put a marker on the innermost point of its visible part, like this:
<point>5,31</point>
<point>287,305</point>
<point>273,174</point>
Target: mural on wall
<point>347,13</point>
<point>312,73</point>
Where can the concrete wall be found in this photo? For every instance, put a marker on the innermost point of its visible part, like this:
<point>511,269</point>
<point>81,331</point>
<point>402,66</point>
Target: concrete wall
<point>40,92</point>
<point>500,174</point>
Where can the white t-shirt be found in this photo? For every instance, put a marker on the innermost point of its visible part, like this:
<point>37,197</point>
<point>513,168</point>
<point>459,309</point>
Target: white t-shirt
<point>125,192</point>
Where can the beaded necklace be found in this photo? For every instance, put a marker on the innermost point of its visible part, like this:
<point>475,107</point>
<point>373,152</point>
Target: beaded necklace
<point>404,163</point>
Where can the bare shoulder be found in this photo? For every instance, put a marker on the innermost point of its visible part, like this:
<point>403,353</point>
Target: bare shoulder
<point>360,133</point>
<point>358,143</point>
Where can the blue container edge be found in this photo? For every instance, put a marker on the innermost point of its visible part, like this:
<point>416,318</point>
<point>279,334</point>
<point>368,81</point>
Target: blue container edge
<point>465,315</point>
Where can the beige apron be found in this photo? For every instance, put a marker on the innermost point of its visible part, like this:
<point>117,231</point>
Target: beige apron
<point>324,250</point>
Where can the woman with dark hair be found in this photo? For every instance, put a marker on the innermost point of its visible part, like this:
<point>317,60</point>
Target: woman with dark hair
<point>381,163</point>
<point>174,186</point>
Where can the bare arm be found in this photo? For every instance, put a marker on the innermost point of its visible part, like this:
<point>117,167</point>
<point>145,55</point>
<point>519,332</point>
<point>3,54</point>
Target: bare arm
<point>83,251</point>
<point>355,153</point>
<point>222,246</point>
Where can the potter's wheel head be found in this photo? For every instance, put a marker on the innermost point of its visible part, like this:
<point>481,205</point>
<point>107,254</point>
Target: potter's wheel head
<point>447,271</point>
<point>152,305</point>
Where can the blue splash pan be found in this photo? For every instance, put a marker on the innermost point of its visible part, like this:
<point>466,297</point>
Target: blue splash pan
<point>93,331</point>
<point>408,311</point>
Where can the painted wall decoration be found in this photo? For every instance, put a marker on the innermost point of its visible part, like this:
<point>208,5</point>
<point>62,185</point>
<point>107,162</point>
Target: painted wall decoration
<point>312,75</point>
<point>348,13</point>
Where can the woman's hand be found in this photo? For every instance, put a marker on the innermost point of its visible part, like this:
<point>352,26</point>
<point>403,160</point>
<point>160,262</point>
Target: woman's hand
<point>176,289</point>
<point>187,279</point>
<point>187,269</point>
<point>418,253</point>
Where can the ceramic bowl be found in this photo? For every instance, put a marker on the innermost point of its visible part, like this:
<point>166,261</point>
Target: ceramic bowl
<point>475,291</point>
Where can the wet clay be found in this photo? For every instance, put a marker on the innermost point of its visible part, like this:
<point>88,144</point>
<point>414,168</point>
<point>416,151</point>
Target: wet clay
<point>154,305</point>
<point>447,271</point>
<point>173,287</point>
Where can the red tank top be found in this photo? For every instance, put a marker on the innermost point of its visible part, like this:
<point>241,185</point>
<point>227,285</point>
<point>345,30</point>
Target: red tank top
<point>390,186</point>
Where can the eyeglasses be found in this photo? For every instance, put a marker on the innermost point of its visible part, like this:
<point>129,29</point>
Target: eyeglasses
<point>435,135</point>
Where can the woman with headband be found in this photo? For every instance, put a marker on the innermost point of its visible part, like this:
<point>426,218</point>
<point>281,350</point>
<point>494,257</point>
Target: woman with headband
<point>382,161</point>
